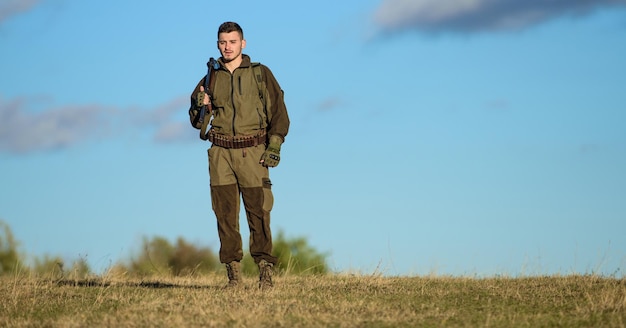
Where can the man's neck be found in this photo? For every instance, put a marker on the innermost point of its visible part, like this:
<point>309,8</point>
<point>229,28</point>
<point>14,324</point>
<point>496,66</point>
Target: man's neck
<point>233,64</point>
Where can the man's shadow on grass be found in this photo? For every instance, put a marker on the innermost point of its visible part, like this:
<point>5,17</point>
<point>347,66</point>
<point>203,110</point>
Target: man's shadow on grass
<point>142,284</point>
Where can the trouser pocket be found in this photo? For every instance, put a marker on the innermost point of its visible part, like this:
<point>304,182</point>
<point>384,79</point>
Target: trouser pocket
<point>268,197</point>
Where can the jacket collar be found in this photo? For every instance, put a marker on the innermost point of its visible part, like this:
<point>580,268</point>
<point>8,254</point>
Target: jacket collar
<point>245,61</point>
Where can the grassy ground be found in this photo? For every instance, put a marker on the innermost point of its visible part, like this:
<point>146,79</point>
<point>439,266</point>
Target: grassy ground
<point>316,301</point>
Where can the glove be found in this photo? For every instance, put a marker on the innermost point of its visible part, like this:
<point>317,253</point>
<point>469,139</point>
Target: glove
<point>271,156</point>
<point>199,99</point>
<point>202,98</point>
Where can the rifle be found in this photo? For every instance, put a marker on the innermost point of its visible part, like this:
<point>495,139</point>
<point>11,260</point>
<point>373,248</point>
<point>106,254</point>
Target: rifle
<point>205,110</point>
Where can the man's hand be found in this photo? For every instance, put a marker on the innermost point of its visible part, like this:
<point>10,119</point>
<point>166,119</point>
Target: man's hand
<point>202,98</point>
<point>271,156</point>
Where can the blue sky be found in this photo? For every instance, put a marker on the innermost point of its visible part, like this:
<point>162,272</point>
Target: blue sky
<point>460,137</point>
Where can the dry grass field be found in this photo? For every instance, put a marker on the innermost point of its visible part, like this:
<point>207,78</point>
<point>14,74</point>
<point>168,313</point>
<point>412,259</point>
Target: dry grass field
<point>316,301</point>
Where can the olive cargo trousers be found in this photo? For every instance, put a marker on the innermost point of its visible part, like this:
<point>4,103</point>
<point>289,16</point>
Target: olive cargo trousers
<point>235,172</point>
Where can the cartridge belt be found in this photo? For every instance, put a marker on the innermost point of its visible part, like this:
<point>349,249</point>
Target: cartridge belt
<point>236,142</point>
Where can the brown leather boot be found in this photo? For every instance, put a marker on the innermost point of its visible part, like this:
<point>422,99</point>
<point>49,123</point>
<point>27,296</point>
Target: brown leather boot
<point>233,269</point>
<point>266,270</point>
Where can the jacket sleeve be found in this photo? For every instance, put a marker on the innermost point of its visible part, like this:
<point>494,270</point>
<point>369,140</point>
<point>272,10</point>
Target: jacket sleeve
<point>279,123</point>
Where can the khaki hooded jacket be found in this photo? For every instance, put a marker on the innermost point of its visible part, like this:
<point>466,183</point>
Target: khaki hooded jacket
<point>240,107</point>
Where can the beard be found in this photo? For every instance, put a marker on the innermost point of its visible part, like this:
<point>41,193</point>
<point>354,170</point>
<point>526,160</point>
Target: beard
<point>228,57</point>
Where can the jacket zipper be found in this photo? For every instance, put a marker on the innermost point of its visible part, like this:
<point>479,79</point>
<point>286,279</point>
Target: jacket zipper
<point>232,100</point>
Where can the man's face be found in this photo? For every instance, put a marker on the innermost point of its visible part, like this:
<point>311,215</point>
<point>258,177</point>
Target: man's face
<point>230,45</point>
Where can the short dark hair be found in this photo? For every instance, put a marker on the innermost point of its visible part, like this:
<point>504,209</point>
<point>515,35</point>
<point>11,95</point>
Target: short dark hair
<point>228,27</point>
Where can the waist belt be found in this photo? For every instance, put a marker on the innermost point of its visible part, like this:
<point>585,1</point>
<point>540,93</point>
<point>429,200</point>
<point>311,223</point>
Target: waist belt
<point>237,141</point>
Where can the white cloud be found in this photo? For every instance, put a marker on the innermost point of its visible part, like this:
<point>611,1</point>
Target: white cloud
<point>23,130</point>
<point>330,104</point>
<point>175,131</point>
<point>477,15</point>
<point>9,8</point>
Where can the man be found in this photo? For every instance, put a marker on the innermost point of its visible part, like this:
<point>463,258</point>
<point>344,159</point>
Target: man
<point>249,125</point>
